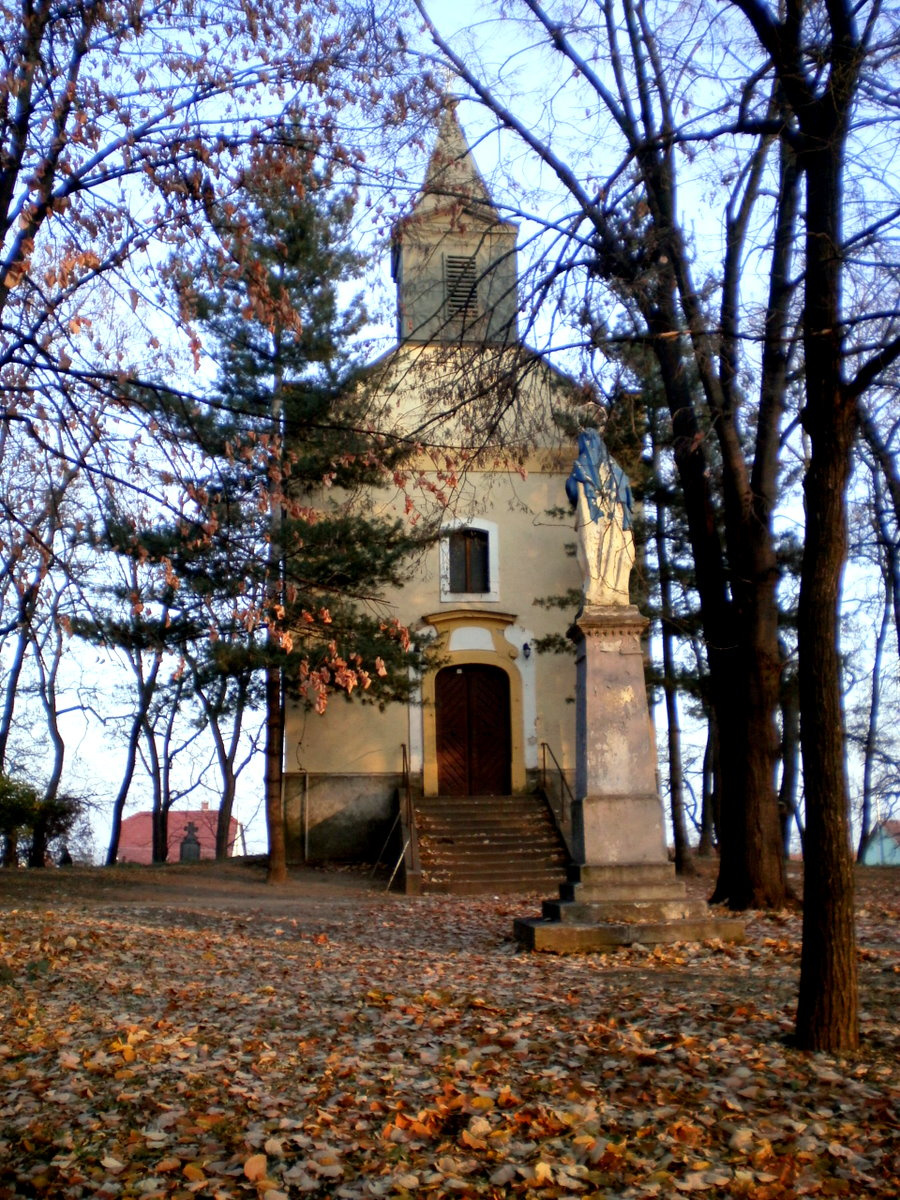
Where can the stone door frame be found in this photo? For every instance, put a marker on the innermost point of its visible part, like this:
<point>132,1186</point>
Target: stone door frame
<point>488,631</point>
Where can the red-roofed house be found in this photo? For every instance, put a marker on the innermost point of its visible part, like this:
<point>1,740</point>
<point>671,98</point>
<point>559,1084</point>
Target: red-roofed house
<point>136,839</point>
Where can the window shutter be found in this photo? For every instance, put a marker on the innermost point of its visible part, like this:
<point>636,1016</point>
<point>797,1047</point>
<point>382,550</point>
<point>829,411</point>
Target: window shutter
<point>461,285</point>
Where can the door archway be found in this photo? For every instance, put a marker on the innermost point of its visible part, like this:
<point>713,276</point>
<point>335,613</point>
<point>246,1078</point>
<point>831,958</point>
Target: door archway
<point>468,637</point>
<point>473,730</point>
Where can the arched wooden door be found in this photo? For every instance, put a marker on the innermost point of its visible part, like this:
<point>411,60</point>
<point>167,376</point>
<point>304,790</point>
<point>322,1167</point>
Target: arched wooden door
<point>474,743</point>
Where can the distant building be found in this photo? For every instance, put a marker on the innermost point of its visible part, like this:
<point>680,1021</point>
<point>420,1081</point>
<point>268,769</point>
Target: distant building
<point>136,840</point>
<point>883,847</point>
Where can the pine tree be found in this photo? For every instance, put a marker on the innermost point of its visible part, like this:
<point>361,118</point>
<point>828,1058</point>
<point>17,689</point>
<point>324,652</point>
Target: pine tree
<point>280,537</point>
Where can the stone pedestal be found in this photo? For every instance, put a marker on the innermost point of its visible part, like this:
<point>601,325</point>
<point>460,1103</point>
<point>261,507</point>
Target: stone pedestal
<point>618,816</point>
<point>623,888</point>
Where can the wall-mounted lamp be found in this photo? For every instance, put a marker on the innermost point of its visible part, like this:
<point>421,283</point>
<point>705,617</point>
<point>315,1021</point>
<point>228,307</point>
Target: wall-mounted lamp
<point>526,649</point>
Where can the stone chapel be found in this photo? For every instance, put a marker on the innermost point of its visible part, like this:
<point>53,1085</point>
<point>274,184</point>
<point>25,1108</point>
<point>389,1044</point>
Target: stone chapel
<point>484,753</point>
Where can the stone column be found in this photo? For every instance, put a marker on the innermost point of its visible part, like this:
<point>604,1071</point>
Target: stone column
<point>622,888</point>
<point>618,817</point>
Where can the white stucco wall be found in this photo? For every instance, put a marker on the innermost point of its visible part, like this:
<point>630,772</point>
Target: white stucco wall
<point>509,488</point>
<point>532,563</point>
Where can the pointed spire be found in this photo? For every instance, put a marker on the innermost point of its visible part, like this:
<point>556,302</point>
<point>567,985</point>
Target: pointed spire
<point>452,173</point>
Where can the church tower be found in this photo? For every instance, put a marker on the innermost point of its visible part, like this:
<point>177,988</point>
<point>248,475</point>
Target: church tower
<point>453,257</point>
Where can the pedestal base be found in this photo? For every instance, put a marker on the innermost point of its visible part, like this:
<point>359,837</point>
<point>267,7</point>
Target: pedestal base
<point>619,829</point>
<point>603,906</point>
<point>555,937</point>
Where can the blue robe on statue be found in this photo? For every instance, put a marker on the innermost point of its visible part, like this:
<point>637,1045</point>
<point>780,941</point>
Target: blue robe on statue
<point>605,483</point>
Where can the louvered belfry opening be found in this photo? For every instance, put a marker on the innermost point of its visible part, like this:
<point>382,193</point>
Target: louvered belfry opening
<point>461,286</point>
<point>474,745</point>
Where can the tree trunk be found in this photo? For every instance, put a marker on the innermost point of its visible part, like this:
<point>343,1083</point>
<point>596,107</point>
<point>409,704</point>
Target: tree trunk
<point>741,646</point>
<point>11,848</point>
<point>47,682</point>
<point>160,852</point>
<point>683,862</point>
<point>112,851</point>
<point>743,693</point>
<point>27,601</point>
<point>275,708</point>
<point>709,805</point>
<point>159,821</point>
<point>885,460</point>
<point>274,775</point>
<point>146,690</point>
<point>790,761</point>
<point>871,743</point>
<point>226,756</point>
<point>827,1006</point>
<point>224,845</point>
<point>37,851</point>
<point>751,871</point>
<point>163,763</point>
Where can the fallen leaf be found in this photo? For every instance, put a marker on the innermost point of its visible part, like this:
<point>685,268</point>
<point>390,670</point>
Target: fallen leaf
<point>255,1167</point>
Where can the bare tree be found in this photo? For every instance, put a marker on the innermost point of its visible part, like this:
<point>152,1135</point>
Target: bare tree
<point>126,130</point>
<point>824,58</point>
<point>624,229</point>
<point>873,673</point>
<point>790,84</point>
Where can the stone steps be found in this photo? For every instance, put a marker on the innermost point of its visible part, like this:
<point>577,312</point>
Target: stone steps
<point>472,845</point>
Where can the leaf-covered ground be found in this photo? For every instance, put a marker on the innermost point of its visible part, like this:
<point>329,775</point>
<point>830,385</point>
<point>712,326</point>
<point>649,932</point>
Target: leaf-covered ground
<point>187,1032</point>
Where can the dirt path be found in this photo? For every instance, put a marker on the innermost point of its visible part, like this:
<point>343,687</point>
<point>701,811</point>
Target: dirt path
<point>208,885</point>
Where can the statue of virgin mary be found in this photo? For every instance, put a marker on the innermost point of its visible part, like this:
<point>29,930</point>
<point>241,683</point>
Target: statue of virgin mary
<point>601,494</point>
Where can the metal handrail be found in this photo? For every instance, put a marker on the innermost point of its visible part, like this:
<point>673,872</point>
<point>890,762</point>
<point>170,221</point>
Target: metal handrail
<point>406,815</point>
<point>567,796</point>
<point>413,863</point>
